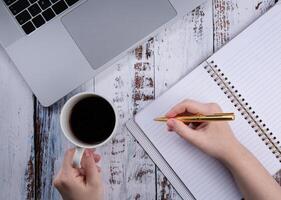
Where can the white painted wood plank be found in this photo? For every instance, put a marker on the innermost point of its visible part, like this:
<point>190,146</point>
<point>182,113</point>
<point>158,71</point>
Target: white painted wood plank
<point>179,49</point>
<point>16,133</point>
<point>50,145</point>
<point>127,170</point>
<point>141,170</point>
<point>233,16</point>
<point>183,46</point>
<point>115,84</point>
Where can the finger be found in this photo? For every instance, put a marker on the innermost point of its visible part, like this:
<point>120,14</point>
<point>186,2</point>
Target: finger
<point>189,106</point>
<point>68,158</point>
<point>182,130</point>
<point>81,171</point>
<point>90,168</point>
<point>57,180</point>
<point>97,158</point>
<point>169,129</point>
<point>192,125</point>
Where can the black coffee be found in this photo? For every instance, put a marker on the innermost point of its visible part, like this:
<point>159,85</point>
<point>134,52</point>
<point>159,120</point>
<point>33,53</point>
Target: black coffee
<point>92,120</point>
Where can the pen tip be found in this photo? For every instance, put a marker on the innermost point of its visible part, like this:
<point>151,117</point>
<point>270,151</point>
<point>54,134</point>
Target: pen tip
<point>160,119</point>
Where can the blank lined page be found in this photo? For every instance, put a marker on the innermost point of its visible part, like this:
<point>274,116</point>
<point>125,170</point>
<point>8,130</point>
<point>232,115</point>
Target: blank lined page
<point>204,176</point>
<point>252,62</point>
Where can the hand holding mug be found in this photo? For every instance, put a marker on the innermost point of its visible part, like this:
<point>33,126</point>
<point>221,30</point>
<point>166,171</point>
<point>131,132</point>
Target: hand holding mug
<point>80,184</point>
<point>88,121</point>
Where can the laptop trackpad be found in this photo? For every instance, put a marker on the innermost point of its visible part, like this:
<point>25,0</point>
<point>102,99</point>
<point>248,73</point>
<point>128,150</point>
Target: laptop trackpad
<point>104,29</point>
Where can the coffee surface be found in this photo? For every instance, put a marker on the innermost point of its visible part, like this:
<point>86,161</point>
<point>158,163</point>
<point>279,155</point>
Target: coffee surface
<point>92,120</point>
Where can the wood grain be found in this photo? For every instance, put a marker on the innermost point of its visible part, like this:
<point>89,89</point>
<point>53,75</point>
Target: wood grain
<point>114,161</point>
<point>232,16</point>
<point>128,170</point>
<point>180,48</point>
<point>148,62</point>
<point>16,132</point>
<point>50,145</point>
<point>141,170</point>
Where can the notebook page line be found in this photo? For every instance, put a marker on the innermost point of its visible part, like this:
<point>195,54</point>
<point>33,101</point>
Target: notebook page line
<point>259,47</point>
<point>263,24</point>
<point>256,64</point>
<point>248,77</point>
<point>246,55</point>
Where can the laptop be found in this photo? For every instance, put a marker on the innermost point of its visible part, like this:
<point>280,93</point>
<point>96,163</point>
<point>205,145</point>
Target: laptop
<point>59,44</point>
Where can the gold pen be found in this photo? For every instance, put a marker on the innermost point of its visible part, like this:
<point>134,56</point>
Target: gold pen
<point>201,118</point>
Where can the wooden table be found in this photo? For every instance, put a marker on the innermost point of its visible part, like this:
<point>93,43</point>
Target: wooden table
<point>32,145</point>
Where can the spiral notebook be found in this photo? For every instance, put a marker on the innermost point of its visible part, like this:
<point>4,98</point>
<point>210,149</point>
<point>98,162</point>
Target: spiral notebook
<point>244,77</point>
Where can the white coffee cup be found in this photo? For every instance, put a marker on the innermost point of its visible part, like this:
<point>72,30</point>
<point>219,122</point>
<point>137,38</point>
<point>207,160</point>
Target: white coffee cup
<point>66,129</point>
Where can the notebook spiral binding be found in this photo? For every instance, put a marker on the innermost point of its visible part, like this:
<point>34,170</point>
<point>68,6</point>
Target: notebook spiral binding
<point>245,109</point>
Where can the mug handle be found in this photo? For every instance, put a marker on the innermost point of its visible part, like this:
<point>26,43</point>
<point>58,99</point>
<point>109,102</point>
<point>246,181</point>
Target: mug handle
<point>76,162</point>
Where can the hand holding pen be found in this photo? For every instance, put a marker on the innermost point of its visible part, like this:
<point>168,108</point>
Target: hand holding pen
<point>213,138</point>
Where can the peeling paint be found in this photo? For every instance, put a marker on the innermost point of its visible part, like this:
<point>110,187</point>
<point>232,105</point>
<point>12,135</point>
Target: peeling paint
<point>30,179</point>
<point>258,5</point>
<point>138,53</point>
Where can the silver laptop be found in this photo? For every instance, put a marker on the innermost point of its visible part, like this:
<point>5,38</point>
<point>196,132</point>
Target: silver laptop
<point>59,44</point>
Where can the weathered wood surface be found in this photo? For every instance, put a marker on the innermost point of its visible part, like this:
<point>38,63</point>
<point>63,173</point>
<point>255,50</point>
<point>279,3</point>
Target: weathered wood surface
<point>139,78</point>
<point>33,146</point>
<point>50,145</point>
<point>16,134</point>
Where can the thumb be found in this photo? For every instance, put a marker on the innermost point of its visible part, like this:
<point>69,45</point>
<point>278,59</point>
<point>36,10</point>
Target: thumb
<point>182,130</point>
<point>90,168</point>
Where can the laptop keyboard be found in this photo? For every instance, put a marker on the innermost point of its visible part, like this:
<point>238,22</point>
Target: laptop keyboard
<point>31,14</point>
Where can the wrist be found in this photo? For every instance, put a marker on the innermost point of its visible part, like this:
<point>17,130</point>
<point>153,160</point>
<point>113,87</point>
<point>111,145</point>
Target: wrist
<point>233,153</point>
